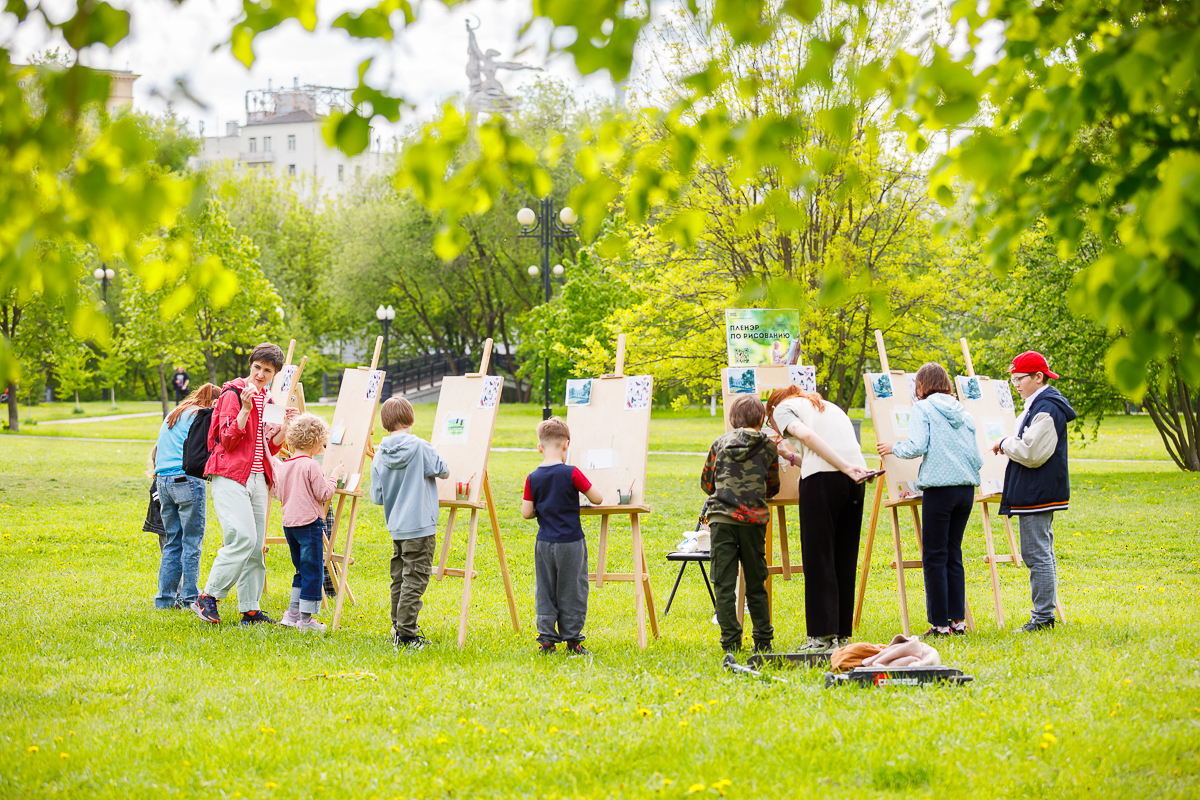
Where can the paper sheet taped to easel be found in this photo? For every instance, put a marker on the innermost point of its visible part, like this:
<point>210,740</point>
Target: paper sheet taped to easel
<point>285,378</point>
<point>601,459</point>
<point>352,482</point>
<point>489,394</point>
<point>373,384</point>
<point>457,429</point>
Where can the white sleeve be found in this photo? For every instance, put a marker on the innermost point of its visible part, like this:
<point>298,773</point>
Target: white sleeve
<point>1036,445</point>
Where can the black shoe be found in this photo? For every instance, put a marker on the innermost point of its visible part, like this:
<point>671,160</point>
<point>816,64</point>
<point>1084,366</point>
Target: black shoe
<point>762,647</point>
<point>206,609</point>
<point>933,633</point>
<point>577,649</point>
<point>256,618</point>
<point>1032,627</point>
<point>417,642</point>
<point>737,648</point>
<point>546,649</point>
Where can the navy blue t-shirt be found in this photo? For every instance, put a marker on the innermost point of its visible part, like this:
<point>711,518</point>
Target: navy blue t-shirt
<point>554,490</point>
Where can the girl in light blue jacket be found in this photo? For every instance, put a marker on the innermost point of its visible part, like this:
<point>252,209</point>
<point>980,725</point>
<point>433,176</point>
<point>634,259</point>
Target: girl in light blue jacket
<point>944,434</point>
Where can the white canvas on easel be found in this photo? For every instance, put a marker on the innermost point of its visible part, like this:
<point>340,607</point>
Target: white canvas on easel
<point>463,426</point>
<point>610,443</point>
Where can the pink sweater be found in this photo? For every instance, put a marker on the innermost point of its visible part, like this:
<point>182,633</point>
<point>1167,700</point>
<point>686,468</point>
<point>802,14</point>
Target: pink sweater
<point>303,489</point>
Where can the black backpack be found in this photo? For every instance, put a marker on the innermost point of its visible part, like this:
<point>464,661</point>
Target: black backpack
<point>195,447</point>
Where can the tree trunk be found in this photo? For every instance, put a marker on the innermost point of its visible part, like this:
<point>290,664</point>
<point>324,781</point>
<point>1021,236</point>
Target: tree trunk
<point>14,411</point>
<point>112,395</point>
<point>162,390</point>
<point>78,410</point>
<point>211,364</point>
<point>1174,413</point>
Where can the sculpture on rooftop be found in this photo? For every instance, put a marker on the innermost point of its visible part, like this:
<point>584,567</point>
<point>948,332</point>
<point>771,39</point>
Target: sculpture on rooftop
<point>486,92</point>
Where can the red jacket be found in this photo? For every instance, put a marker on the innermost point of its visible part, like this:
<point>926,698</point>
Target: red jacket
<point>232,448</point>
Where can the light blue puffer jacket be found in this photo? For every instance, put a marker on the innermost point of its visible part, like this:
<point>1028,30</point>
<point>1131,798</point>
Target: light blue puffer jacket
<point>941,431</point>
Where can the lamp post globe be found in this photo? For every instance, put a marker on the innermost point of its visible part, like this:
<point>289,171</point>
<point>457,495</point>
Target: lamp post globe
<point>98,274</point>
<point>526,217</point>
<point>533,270</point>
<point>568,216</point>
<point>381,313</point>
<point>558,270</point>
<point>110,274</point>
<point>385,317</point>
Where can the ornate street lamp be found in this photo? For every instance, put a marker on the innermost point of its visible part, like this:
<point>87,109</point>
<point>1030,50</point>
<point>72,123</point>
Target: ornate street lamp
<point>546,230</point>
<point>104,275</point>
<point>385,317</point>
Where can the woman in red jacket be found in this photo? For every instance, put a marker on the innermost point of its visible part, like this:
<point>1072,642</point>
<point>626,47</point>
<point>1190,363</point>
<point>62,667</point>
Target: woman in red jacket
<point>241,478</point>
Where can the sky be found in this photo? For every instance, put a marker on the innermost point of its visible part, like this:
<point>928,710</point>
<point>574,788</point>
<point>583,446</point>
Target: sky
<point>426,65</point>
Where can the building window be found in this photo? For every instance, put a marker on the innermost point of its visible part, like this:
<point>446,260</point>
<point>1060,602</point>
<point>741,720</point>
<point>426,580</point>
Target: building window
<point>254,145</point>
<point>291,141</point>
<point>292,169</point>
<point>341,169</point>
<point>266,144</point>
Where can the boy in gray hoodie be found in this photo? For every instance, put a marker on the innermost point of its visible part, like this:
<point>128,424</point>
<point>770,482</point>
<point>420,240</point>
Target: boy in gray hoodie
<point>402,481</point>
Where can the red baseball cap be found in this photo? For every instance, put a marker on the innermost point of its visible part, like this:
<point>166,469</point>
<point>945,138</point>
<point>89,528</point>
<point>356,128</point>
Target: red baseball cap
<point>1031,361</point>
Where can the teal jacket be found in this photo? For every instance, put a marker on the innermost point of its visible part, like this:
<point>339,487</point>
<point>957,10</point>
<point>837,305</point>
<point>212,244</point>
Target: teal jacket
<point>941,431</point>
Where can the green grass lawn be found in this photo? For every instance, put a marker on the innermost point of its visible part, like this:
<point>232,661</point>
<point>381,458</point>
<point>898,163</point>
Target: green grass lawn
<point>105,697</point>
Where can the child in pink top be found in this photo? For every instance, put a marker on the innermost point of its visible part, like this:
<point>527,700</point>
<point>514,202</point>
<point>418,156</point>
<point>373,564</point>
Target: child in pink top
<point>304,490</point>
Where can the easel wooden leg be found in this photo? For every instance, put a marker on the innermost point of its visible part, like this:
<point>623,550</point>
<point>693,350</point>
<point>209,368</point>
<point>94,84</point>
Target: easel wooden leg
<point>866,562</point>
<point>639,599</point>
<point>468,571</point>
<point>769,548</point>
<point>346,556</point>
<point>602,551</point>
<point>1012,542</point>
<point>741,597</point>
<point>1062,615</point>
<point>991,561</point>
<point>441,567</point>
<point>645,570</point>
<point>508,588</point>
<point>899,554</point>
<point>783,544</point>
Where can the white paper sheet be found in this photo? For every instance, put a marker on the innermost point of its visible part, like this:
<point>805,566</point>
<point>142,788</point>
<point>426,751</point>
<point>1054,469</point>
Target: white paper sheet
<point>804,376</point>
<point>273,413</point>
<point>338,433</point>
<point>637,392</point>
<point>352,482</point>
<point>601,459</point>
<point>900,415</point>
<point>489,394</point>
<point>373,384</point>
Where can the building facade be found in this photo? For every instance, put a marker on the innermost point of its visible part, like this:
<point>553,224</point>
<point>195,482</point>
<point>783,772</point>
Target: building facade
<point>282,134</point>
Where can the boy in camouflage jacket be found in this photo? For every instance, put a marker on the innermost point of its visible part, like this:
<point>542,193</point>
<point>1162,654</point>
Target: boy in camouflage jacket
<point>741,472</point>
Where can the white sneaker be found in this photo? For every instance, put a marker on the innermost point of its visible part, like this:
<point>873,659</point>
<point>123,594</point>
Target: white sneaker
<point>819,644</point>
<point>290,618</point>
<point>310,624</point>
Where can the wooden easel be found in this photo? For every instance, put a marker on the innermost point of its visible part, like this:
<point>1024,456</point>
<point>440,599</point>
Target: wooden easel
<point>987,409</point>
<point>467,460</point>
<point>768,378</point>
<point>900,472</point>
<point>606,426</point>
<point>354,419</point>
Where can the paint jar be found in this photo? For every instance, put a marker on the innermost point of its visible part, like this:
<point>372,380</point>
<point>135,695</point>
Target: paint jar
<point>624,498</point>
<point>462,490</point>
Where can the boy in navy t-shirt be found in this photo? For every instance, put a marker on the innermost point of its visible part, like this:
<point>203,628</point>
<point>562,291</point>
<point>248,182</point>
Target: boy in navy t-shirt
<point>560,554</point>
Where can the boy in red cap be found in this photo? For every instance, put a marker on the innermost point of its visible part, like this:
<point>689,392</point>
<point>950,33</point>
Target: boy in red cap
<point>1036,483</point>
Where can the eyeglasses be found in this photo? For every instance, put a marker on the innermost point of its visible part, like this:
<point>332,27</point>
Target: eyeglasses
<point>1016,379</point>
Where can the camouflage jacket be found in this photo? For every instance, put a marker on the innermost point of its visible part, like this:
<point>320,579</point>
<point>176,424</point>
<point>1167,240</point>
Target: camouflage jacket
<point>741,472</point>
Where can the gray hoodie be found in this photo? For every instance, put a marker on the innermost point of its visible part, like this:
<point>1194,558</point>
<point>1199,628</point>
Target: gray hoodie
<point>402,481</point>
<point>941,431</point>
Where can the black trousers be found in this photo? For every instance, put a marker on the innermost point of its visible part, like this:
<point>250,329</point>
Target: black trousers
<point>745,545</point>
<point>945,511</point>
<point>831,512</point>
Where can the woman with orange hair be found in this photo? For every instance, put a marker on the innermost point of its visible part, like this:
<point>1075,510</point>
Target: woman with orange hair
<point>182,499</point>
<point>832,469</point>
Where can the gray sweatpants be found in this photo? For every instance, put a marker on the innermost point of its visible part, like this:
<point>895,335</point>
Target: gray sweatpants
<point>1037,549</point>
<point>412,564</point>
<point>242,512</point>
<point>560,590</point>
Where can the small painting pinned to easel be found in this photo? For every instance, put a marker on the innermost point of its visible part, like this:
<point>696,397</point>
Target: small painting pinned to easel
<point>489,393</point>
<point>882,384</point>
<point>579,392</point>
<point>909,489</point>
<point>637,393</point>
<point>373,384</point>
<point>804,376</point>
<point>741,380</point>
<point>1003,394</point>
<point>458,425</point>
<point>970,388</point>
<point>900,418</point>
<point>994,427</point>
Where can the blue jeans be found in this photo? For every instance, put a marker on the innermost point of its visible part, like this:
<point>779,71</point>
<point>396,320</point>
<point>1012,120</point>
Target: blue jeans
<point>1037,550</point>
<point>307,544</point>
<point>183,505</point>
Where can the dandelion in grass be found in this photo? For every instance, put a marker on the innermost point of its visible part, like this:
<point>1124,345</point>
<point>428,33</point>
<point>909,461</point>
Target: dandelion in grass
<point>712,702</point>
<point>33,748</point>
<point>645,712</point>
<point>696,787</point>
<point>721,785</point>
<point>270,784</point>
<point>504,731</point>
<point>683,723</point>
<point>695,708</point>
<point>64,755</point>
<point>395,748</point>
<point>552,729</point>
<point>441,740</point>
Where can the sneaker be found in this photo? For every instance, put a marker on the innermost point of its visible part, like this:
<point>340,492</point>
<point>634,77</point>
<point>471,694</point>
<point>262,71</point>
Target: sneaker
<point>546,649</point>
<point>1032,627</point>
<point>304,625</point>
<point>935,632</point>
<point>819,644</point>
<point>257,617</point>
<point>290,618</point>
<point>417,642</point>
<point>577,649</point>
<point>732,648</point>
<point>762,647</point>
<point>206,609</point>
<point>958,628</point>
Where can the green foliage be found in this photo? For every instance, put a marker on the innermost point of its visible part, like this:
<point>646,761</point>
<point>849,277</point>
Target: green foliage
<point>259,17</point>
<point>71,368</point>
<point>1094,127</point>
<point>111,370</point>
